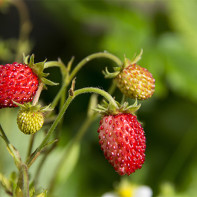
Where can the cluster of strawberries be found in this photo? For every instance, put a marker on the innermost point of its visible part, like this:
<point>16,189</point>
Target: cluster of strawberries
<point>121,136</point>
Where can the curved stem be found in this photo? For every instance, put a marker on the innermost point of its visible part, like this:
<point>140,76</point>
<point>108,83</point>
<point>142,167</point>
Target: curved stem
<point>64,72</point>
<point>97,91</point>
<point>91,57</point>
<point>32,158</point>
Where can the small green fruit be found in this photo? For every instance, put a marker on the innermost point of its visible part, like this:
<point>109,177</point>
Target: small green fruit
<point>29,122</point>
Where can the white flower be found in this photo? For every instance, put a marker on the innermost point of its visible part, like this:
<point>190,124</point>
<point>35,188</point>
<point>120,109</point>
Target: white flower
<point>143,191</point>
<point>127,189</point>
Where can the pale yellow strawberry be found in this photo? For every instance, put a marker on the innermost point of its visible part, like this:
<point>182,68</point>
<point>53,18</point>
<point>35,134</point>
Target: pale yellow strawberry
<point>135,81</point>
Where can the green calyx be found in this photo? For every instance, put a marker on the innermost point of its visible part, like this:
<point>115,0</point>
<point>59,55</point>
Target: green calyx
<point>38,69</point>
<point>30,118</point>
<point>33,108</point>
<point>119,69</point>
<point>108,109</point>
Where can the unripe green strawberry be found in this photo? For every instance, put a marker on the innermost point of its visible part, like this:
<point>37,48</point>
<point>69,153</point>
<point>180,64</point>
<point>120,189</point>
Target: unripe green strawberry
<point>30,118</point>
<point>29,122</point>
<point>136,82</point>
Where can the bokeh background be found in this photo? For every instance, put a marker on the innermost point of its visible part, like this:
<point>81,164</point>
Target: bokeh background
<point>167,32</point>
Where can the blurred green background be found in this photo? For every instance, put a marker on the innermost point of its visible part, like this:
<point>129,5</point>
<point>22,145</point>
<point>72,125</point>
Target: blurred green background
<point>167,32</point>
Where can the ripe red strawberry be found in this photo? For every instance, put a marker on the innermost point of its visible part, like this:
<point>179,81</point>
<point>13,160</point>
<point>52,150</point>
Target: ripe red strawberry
<point>123,141</point>
<point>17,83</point>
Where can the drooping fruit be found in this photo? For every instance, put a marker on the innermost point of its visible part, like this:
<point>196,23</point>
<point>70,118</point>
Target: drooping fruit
<point>17,83</point>
<point>30,118</point>
<point>123,142</point>
<point>29,122</point>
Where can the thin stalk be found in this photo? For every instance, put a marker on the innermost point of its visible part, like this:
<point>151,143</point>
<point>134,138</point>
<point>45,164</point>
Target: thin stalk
<point>56,63</point>
<point>91,57</point>
<point>23,181</point>
<point>32,138</point>
<point>64,72</point>
<point>57,97</point>
<point>74,94</point>
<point>37,95</point>
<point>103,93</point>
<point>112,88</point>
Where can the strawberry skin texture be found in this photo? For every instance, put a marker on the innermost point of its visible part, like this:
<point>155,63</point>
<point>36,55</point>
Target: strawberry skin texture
<point>123,142</point>
<point>135,81</point>
<point>17,83</point>
<point>30,122</point>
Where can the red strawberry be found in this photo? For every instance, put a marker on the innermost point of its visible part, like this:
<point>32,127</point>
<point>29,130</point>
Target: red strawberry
<point>17,83</point>
<point>123,141</point>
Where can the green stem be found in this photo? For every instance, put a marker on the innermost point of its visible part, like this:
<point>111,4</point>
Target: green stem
<point>30,145</point>
<point>64,72</point>
<point>37,95</point>
<point>74,94</point>
<point>56,63</point>
<point>91,57</point>
<point>103,93</point>
<point>23,180</point>
<point>57,97</point>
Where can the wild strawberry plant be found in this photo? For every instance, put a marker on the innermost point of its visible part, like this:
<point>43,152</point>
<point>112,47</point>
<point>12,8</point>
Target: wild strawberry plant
<point>121,135</point>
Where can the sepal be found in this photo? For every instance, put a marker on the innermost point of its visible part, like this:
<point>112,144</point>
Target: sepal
<point>108,109</point>
<point>38,69</point>
<point>135,59</point>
